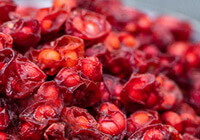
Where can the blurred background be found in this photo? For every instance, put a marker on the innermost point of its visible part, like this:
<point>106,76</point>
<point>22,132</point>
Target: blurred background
<point>190,8</point>
<point>185,9</point>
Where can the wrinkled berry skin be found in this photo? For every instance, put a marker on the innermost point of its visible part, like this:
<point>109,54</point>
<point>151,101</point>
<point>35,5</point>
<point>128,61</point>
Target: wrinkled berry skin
<point>20,77</point>
<point>32,79</point>
<point>51,22</point>
<point>172,95</point>
<point>28,130</point>
<point>87,25</point>
<point>42,113</point>
<point>140,119</point>
<point>113,87</point>
<point>117,62</point>
<point>79,90</point>
<point>6,57</point>
<point>81,83</point>
<point>123,61</point>
<point>25,32</point>
<point>157,131</point>
<point>80,124</point>
<point>97,70</point>
<point>62,52</point>
<point>91,68</point>
<point>120,63</point>
<point>55,131</point>
<point>141,90</point>
<point>111,120</point>
<point>48,91</point>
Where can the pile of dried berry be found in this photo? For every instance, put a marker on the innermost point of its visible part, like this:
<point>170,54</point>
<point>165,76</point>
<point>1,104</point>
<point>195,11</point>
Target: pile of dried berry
<point>96,70</point>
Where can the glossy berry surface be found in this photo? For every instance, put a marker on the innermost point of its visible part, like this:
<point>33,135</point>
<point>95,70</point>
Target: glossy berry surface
<point>97,70</point>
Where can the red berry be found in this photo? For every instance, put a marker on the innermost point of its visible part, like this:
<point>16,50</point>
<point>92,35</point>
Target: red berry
<point>92,68</point>
<point>140,119</point>
<point>173,119</point>
<point>111,120</point>
<point>87,25</point>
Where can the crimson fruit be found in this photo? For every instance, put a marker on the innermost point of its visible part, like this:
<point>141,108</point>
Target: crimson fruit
<point>97,70</point>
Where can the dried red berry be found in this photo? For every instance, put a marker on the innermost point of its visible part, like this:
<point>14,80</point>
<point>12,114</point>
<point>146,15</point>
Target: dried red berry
<point>68,78</point>
<point>113,86</point>
<point>47,91</point>
<point>21,77</point>
<point>78,90</point>
<point>51,22</point>
<point>63,52</point>
<point>120,63</point>
<point>80,124</point>
<point>49,60</point>
<point>87,25</point>
<point>111,120</point>
<point>172,95</point>
<point>29,131</point>
<point>78,118</point>
<point>140,119</point>
<point>55,131</point>
<point>42,113</point>
<point>112,73</point>
<point>141,89</point>
<point>158,132</point>
<point>173,119</point>
<point>71,49</point>
<point>6,57</point>
<point>25,32</point>
<point>91,68</point>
